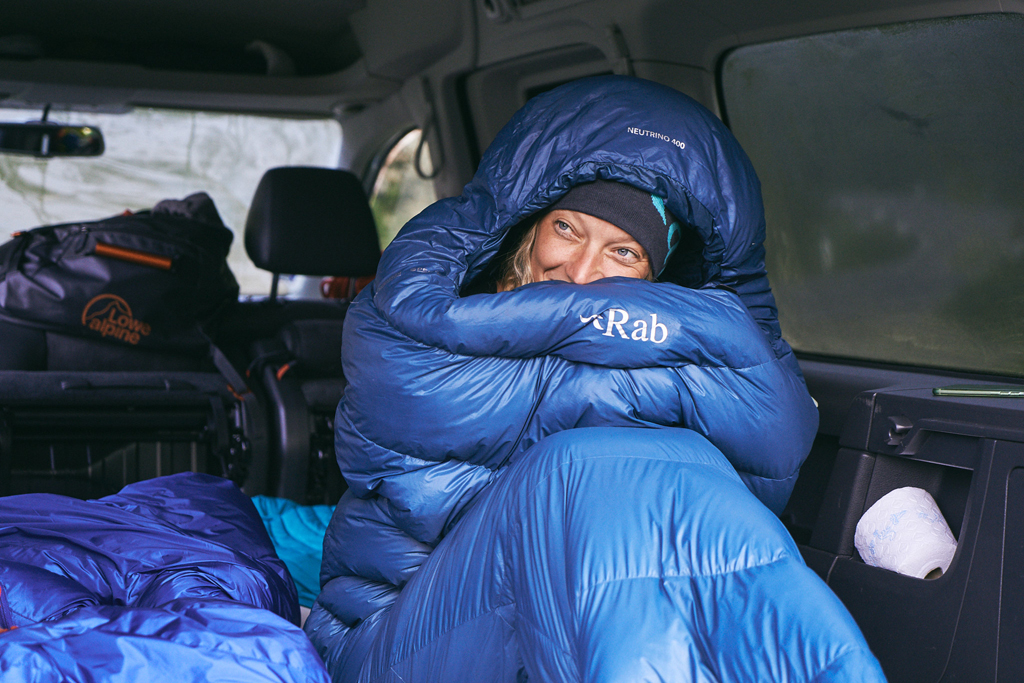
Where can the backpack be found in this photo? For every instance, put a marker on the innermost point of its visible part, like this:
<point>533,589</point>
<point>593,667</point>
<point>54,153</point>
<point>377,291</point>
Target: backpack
<point>149,279</point>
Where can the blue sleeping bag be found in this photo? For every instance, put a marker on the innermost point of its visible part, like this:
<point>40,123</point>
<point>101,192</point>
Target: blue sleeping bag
<point>576,482</point>
<point>172,579</point>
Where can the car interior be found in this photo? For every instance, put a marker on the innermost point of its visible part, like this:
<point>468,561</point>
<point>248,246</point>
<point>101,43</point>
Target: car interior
<point>886,136</point>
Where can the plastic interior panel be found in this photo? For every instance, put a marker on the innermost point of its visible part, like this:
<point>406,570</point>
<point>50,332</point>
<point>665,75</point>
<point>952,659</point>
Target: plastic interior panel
<point>910,623</point>
<point>968,453</point>
<point>801,513</point>
<point>290,427</point>
<point>1010,665</point>
<point>949,486</point>
<point>843,502</point>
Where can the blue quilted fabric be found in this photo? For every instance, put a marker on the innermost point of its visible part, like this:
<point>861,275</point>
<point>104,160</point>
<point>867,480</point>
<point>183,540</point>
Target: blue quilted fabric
<point>171,580</point>
<point>549,482</point>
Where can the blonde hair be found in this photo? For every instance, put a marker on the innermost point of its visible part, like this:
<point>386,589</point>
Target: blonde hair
<point>515,271</point>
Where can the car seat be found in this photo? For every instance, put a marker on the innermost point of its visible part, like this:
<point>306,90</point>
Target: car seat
<point>303,221</point>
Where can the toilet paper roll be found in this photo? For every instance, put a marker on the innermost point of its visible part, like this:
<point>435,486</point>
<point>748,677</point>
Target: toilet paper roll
<point>905,532</point>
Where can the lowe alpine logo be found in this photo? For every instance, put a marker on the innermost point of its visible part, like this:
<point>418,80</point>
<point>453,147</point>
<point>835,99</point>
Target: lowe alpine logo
<point>111,316</point>
<point>617,320</point>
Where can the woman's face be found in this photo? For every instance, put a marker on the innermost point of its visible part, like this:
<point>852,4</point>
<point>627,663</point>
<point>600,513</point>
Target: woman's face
<point>576,247</point>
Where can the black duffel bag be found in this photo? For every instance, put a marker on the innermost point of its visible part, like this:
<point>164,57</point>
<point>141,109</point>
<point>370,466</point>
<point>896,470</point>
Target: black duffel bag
<point>149,279</point>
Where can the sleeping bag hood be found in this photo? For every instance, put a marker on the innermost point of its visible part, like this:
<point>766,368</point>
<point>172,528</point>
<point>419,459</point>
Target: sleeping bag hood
<point>612,128</point>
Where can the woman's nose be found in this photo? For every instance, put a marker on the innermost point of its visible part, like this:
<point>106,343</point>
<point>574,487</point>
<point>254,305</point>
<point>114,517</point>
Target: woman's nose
<point>584,266</point>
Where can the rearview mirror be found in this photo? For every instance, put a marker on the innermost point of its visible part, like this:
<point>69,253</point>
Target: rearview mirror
<point>50,140</point>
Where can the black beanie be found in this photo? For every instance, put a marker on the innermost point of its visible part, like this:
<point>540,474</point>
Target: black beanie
<point>641,214</point>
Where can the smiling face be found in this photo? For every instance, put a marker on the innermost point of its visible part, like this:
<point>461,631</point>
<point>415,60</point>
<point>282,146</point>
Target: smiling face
<point>570,246</point>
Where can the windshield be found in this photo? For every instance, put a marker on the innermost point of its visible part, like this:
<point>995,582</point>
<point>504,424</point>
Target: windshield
<point>155,154</point>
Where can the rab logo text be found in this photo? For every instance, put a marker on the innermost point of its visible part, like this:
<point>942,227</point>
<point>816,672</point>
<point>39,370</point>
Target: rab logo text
<point>111,316</point>
<point>617,320</point>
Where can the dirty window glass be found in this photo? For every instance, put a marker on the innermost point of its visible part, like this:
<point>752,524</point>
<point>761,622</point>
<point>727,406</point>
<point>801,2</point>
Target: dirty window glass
<point>154,154</point>
<point>891,165</point>
<point>399,192</point>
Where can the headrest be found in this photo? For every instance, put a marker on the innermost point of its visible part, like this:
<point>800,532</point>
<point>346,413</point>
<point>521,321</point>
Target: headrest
<point>311,221</point>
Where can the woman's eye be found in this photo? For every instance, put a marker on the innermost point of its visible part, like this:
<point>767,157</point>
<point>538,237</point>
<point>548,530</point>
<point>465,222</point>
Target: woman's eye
<point>562,226</point>
<point>625,253</point>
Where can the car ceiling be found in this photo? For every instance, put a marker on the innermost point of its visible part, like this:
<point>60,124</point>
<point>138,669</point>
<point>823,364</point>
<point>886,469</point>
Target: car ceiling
<point>259,55</point>
<point>188,35</point>
<point>321,57</point>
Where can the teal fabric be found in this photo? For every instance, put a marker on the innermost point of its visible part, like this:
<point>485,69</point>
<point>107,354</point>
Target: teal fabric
<point>297,532</point>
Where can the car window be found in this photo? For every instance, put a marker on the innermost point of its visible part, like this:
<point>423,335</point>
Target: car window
<point>399,190</point>
<point>154,154</point>
<point>890,161</point>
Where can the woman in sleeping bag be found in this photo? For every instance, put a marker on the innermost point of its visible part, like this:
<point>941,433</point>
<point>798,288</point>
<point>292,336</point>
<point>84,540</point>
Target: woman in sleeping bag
<point>574,474</point>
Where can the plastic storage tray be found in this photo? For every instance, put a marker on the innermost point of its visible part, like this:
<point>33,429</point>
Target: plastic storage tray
<point>968,453</point>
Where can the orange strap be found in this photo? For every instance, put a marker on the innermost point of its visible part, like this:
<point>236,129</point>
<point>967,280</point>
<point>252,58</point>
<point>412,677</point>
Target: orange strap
<point>238,396</point>
<point>283,369</point>
<point>133,256</point>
